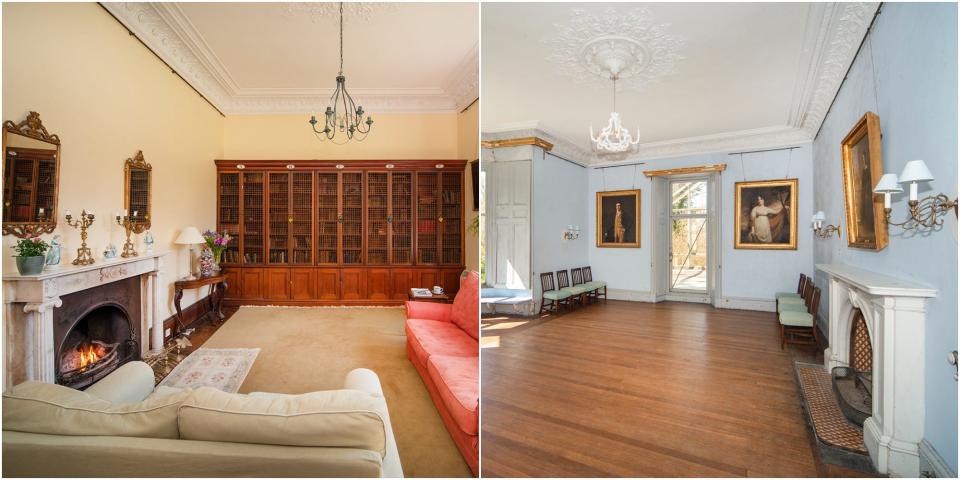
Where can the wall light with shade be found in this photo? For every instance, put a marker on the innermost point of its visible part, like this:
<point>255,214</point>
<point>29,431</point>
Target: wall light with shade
<point>923,212</point>
<point>572,232</point>
<point>190,236</point>
<point>817,225</point>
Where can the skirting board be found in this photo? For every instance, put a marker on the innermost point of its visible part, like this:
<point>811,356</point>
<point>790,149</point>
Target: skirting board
<point>930,459</point>
<point>736,303</point>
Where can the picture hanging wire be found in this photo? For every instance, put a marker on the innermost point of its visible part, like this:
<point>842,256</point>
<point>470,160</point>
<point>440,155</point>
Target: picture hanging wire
<point>635,168</point>
<point>873,71</point>
<point>743,172</point>
<point>603,179</point>
<point>789,159</point>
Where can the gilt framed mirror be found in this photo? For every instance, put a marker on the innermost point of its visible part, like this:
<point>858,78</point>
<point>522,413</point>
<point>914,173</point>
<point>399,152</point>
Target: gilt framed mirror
<point>31,177</point>
<point>137,183</point>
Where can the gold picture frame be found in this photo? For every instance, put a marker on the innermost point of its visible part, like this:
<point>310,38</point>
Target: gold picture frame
<point>629,219</point>
<point>862,164</point>
<point>766,215</point>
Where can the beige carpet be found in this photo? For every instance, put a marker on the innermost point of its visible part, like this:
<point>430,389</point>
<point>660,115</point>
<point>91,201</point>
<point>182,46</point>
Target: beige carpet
<point>309,349</point>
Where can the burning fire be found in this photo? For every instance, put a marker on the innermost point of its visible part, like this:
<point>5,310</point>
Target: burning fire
<point>89,354</point>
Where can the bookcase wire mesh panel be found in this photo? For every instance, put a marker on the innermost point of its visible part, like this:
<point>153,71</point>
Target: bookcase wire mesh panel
<point>230,214</point>
<point>401,217</point>
<point>452,211</point>
<point>253,227</point>
<point>327,215</point>
<point>302,210</point>
<point>377,218</point>
<point>352,225</point>
<point>279,218</point>
<point>427,214</point>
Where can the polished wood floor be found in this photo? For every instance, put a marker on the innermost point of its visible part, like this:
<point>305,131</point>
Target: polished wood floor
<point>638,389</point>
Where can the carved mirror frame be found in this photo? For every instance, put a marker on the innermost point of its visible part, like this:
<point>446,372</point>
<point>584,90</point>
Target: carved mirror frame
<point>32,127</point>
<point>131,164</point>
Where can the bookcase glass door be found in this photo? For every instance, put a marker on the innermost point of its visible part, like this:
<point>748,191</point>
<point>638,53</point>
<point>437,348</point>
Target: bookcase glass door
<point>427,214</point>
<point>401,218</point>
<point>253,226</point>
<point>377,218</point>
<point>302,214</point>
<point>451,213</point>
<point>352,212</point>
<point>230,214</point>
<point>327,218</point>
<point>278,246</point>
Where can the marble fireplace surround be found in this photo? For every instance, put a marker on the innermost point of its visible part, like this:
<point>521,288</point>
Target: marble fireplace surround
<point>894,310</point>
<point>29,301</point>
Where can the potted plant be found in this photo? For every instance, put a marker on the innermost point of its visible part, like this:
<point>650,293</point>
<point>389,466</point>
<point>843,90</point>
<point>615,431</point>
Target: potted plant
<point>217,243</point>
<point>30,255</point>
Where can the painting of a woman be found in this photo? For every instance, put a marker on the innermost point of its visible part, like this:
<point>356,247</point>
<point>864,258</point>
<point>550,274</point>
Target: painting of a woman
<point>766,216</point>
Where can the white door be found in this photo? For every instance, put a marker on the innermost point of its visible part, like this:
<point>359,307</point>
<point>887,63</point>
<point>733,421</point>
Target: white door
<point>508,245</point>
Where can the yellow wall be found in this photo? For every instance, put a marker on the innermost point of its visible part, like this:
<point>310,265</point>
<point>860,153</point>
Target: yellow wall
<point>468,148</point>
<point>289,137</point>
<point>107,96</point>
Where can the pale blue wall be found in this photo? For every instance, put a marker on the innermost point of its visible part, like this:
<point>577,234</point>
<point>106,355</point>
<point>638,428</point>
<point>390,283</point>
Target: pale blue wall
<point>746,274</point>
<point>915,53</point>
<point>557,193</point>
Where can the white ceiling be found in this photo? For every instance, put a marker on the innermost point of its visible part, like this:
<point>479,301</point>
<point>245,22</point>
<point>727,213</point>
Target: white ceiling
<point>747,71</point>
<point>283,57</point>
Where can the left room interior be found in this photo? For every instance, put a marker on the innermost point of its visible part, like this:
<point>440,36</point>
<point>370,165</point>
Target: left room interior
<point>221,216</point>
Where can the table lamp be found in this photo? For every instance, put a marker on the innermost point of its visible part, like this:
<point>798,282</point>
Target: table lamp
<point>190,236</point>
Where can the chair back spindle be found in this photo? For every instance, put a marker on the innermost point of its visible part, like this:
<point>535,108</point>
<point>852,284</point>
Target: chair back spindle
<point>546,281</point>
<point>587,275</point>
<point>577,275</point>
<point>563,280</point>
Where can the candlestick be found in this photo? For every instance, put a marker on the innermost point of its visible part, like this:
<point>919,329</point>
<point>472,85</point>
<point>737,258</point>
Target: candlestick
<point>130,226</point>
<point>84,255</point>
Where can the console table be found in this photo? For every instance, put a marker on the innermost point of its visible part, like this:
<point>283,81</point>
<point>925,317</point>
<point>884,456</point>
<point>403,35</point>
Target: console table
<point>218,289</point>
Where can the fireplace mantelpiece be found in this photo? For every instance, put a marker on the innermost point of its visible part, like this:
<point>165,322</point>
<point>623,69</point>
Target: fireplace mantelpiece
<point>894,310</point>
<point>29,352</point>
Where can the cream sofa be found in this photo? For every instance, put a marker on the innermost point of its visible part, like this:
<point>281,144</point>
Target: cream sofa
<point>124,427</point>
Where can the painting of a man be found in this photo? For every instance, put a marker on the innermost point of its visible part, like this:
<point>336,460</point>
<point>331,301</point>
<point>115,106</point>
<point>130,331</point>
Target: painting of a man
<point>618,218</point>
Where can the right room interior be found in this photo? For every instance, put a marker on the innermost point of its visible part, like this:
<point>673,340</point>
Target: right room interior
<point>719,239</point>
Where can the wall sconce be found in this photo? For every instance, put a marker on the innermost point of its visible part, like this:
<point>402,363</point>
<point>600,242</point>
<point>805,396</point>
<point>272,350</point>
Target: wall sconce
<point>817,225</point>
<point>572,232</point>
<point>923,212</point>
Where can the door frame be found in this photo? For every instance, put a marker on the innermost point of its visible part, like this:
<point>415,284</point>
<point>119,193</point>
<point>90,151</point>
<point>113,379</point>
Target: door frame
<point>660,262</point>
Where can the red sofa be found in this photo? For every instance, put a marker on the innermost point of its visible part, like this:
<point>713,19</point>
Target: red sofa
<point>443,344</point>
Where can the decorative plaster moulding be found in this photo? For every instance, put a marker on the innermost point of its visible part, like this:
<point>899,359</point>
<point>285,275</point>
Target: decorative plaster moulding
<point>833,36</point>
<point>318,11</point>
<point>594,45</point>
<point>165,29</point>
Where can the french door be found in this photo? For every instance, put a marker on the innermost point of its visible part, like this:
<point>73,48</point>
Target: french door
<point>690,239</point>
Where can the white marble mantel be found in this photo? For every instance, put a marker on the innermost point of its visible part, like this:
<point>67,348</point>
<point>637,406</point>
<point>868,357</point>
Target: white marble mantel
<point>894,310</point>
<point>29,301</point>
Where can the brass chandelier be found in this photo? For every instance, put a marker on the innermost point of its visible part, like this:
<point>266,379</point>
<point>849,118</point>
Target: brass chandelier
<point>343,115</point>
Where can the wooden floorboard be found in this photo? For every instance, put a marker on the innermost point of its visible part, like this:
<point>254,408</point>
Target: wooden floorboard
<point>639,389</point>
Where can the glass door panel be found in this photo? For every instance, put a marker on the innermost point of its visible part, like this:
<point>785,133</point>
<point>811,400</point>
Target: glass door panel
<point>689,236</point>
<point>377,218</point>
<point>327,218</point>
<point>302,234</point>
<point>279,218</point>
<point>230,214</point>
<point>352,224</point>
<point>401,218</point>
<point>427,213</point>
<point>253,218</point>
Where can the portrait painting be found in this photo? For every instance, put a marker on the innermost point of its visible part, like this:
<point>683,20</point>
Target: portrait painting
<point>618,219</point>
<point>766,215</point>
<point>862,169</point>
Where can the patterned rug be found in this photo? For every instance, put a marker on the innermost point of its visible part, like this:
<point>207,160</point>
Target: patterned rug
<point>220,368</point>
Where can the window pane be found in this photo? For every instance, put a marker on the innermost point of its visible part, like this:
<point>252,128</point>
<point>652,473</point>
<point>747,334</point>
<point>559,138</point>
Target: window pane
<point>689,248</point>
<point>689,198</point>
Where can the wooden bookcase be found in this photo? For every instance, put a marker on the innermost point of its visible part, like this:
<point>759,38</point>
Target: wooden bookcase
<point>328,232</point>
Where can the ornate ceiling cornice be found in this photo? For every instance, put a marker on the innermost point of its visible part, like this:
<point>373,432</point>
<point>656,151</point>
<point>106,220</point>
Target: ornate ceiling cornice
<point>166,30</point>
<point>834,33</point>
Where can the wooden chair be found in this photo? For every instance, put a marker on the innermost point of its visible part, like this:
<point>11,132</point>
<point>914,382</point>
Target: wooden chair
<point>578,285</point>
<point>563,284</point>
<point>797,304</point>
<point>596,286</point>
<point>801,327</point>
<point>793,297</point>
<point>556,296</point>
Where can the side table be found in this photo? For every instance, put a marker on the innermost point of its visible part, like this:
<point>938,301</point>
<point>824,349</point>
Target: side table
<point>441,298</point>
<point>218,290</point>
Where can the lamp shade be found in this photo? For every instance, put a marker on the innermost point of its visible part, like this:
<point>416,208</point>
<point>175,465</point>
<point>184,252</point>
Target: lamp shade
<point>189,236</point>
<point>819,216</point>
<point>888,184</point>
<point>915,171</point>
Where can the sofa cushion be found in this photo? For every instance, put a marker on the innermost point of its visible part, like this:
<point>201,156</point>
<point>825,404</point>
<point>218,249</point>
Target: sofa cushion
<point>429,337</point>
<point>457,380</point>
<point>333,418</point>
<point>38,407</point>
<point>466,305</point>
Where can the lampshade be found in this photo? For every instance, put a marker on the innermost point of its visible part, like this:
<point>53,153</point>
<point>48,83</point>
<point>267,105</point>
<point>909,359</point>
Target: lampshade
<point>189,236</point>
<point>888,184</point>
<point>915,171</point>
<point>819,216</point>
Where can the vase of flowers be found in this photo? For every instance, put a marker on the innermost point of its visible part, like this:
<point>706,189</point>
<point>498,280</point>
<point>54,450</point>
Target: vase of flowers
<point>217,243</point>
<point>30,255</point>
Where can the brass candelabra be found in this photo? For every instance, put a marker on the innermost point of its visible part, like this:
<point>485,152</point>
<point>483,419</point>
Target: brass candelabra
<point>84,255</point>
<point>130,224</point>
<point>925,214</point>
